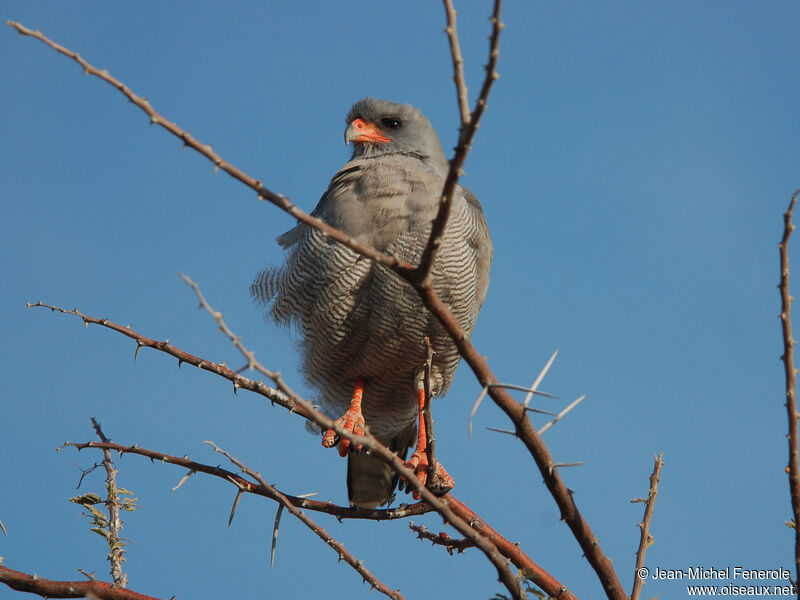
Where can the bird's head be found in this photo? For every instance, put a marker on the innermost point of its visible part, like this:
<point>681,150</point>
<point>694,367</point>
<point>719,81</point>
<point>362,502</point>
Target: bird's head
<point>379,127</point>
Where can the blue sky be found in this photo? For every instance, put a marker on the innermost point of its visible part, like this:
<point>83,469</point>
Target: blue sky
<point>633,164</point>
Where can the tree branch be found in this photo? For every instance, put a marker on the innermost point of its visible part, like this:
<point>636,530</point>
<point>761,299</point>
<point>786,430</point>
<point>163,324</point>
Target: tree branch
<point>791,375</point>
<point>48,588</point>
<point>115,545</point>
<point>441,539</point>
<point>422,275</point>
<point>306,409</point>
<point>646,539</point>
<point>337,546</point>
<point>458,63</point>
<point>278,200</point>
<point>512,551</point>
<point>340,512</point>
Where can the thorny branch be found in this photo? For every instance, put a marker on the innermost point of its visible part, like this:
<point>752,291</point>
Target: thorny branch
<point>646,539</point>
<point>307,410</point>
<point>340,512</point>
<point>278,200</point>
<point>252,363</point>
<point>421,277</point>
<point>337,546</point>
<point>115,544</point>
<point>791,375</point>
<point>458,63</point>
<point>511,551</point>
<point>441,539</point>
<point>48,588</point>
<point>524,428</point>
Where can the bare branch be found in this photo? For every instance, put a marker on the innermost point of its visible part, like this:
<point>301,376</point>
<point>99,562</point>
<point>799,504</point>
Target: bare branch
<point>422,275</point>
<point>510,550</point>
<point>305,408</point>
<point>239,381</point>
<point>252,363</point>
<point>791,375</point>
<point>278,200</point>
<point>525,431</point>
<point>646,539</point>
<point>441,539</point>
<point>48,588</point>
<point>340,512</point>
<point>116,547</point>
<point>337,546</point>
<point>535,573</point>
<point>458,63</point>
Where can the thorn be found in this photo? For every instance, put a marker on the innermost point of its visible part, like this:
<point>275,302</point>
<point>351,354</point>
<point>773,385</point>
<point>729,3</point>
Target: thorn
<point>561,415</point>
<point>136,354</point>
<point>184,479</point>
<point>539,411</point>
<point>275,536</point>
<point>507,431</point>
<point>233,509</point>
<point>540,377</point>
<point>522,388</point>
<point>475,408</point>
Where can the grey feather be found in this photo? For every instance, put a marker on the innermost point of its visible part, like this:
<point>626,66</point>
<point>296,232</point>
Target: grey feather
<point>356,318</point>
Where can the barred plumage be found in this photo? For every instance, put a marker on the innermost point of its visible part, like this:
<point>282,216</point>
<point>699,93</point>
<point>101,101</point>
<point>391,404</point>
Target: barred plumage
<point>356,318</point>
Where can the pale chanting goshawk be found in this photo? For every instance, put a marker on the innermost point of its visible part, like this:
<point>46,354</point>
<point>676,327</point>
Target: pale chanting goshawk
<point>362,328</point>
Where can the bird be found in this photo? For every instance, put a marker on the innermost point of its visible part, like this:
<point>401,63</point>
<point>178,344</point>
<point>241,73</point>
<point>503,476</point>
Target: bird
<point>362,329</point>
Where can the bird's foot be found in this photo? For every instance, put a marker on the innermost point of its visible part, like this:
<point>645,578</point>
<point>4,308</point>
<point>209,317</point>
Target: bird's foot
<point>436,479</point>
<point>352,420</point>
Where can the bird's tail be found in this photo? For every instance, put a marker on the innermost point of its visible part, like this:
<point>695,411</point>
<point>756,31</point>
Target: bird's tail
<point>370,481</point>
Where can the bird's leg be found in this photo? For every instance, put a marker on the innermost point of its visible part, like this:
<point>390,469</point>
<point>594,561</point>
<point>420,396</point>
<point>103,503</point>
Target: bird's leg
<point>423,462</point>
<point>352,420</point>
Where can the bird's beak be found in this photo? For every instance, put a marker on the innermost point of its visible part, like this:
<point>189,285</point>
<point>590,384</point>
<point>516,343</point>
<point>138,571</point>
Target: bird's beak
<point>359,131</point>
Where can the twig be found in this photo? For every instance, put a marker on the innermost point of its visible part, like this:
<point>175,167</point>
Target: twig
<point>49,588</point>
<point>422,275</point>
<point>252,363</point>
<point>441,539</point>
<point>791,374</point>
<point>646,539</point>
<point>337,546</point>
<point>340,512</point>
<point>116,547</point>
<point>458,63</point>
<point>239,381</point>
<point>434,481</point>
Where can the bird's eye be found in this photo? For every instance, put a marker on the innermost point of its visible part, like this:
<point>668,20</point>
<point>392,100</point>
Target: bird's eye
<point>391,123</point>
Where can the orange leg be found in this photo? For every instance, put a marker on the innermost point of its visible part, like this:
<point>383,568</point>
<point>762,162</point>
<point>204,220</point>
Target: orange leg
<point>352,420</point>
<point>442,482</point>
